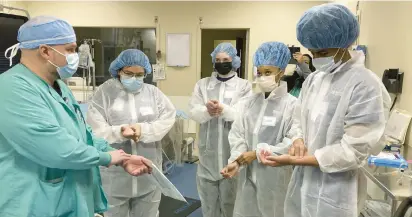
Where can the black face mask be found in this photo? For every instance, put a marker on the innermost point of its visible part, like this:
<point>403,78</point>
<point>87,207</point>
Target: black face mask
<point>223,68</point>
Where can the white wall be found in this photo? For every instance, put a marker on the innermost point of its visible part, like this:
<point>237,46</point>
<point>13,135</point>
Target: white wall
<point>266,20</point>
<point>386,31</point>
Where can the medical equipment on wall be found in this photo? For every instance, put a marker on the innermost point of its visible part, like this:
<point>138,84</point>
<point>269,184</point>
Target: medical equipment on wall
<point>397,126</point>
<point>86,63</point>
<point>159,72</point>
<point>393,80</point>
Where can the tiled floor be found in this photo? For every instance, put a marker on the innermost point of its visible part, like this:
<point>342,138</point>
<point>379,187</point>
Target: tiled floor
<point>184,178</point>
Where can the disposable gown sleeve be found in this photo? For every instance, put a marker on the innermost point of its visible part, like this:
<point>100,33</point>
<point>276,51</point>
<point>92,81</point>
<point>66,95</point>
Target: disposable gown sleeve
<point>156,130</point>
<point>197,108</point>
<point>305,68</point>
<point>229,111</point>
<point>237,134</point>
<point>100,143</point>
<point>291,128</point>
<point>295,127</point>
<point>365,122</point>
<point>34,132</point>
<point>97,118</point>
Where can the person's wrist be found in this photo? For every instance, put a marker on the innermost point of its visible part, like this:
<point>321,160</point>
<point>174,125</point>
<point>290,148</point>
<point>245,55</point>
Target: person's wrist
<point>253,154</point>
<point>105,159</point>
<point>297,139</point>
<point>293,160</point>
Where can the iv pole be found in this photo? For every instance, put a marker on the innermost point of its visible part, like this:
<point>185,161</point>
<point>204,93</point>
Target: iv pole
<point>90,65</point>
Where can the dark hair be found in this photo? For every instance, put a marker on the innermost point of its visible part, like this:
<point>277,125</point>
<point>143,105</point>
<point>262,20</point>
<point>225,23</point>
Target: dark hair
<point>311,67</point>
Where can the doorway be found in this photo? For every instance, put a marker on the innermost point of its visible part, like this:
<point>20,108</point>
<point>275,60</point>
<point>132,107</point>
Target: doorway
<point>210,38</point>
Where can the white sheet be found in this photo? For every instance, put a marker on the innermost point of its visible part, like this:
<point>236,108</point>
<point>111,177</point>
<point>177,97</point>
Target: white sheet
<point>167,188</point>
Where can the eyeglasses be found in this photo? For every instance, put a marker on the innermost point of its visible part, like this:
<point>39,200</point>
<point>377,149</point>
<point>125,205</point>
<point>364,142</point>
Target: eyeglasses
<point>267,73</point>
<point>131,75</point>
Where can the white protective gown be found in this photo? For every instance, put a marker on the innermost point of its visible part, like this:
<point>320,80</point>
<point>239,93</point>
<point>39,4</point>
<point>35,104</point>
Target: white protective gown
<point>216,194</point>
<point>262,189</point>
<point>113,107</point>
<point>343,116</point>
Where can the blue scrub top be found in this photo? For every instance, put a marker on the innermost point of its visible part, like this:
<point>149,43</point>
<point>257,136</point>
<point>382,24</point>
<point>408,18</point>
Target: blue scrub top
<point>49,157</point>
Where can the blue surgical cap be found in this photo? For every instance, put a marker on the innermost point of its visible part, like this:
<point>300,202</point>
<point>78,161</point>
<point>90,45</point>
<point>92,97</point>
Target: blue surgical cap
<point>45,30</point>
<point>130,57</point>
<point>272,54</point>
<point>227,48</point>
<point>327,26</point>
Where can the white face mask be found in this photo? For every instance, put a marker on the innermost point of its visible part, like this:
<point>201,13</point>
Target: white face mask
<point>267,83</point>
<point>327,64</point>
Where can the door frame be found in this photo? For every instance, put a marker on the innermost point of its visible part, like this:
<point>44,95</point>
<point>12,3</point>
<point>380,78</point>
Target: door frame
<point>219,27</point>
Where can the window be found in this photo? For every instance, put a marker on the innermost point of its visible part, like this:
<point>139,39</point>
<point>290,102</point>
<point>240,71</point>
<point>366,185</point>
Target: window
<point>114,41</point>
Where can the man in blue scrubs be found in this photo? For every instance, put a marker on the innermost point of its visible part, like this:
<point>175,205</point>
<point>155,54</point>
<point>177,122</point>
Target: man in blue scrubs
<point>49,157</point>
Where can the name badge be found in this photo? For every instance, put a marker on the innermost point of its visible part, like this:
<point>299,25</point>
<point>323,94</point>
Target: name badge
<point>269,121</point>
<point>146,111</point>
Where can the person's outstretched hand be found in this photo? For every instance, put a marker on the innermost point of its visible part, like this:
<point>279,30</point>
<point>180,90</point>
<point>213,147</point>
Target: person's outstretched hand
<point>118,157</point>
<point>230,170</point>
<point>246,158</point>
<point>274,161</point>
<point>130,133</point>
<point>137,165</point>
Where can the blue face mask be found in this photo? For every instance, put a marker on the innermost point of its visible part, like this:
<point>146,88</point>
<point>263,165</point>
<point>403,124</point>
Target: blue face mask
<point>70,68</point>
<point>132,84</point>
